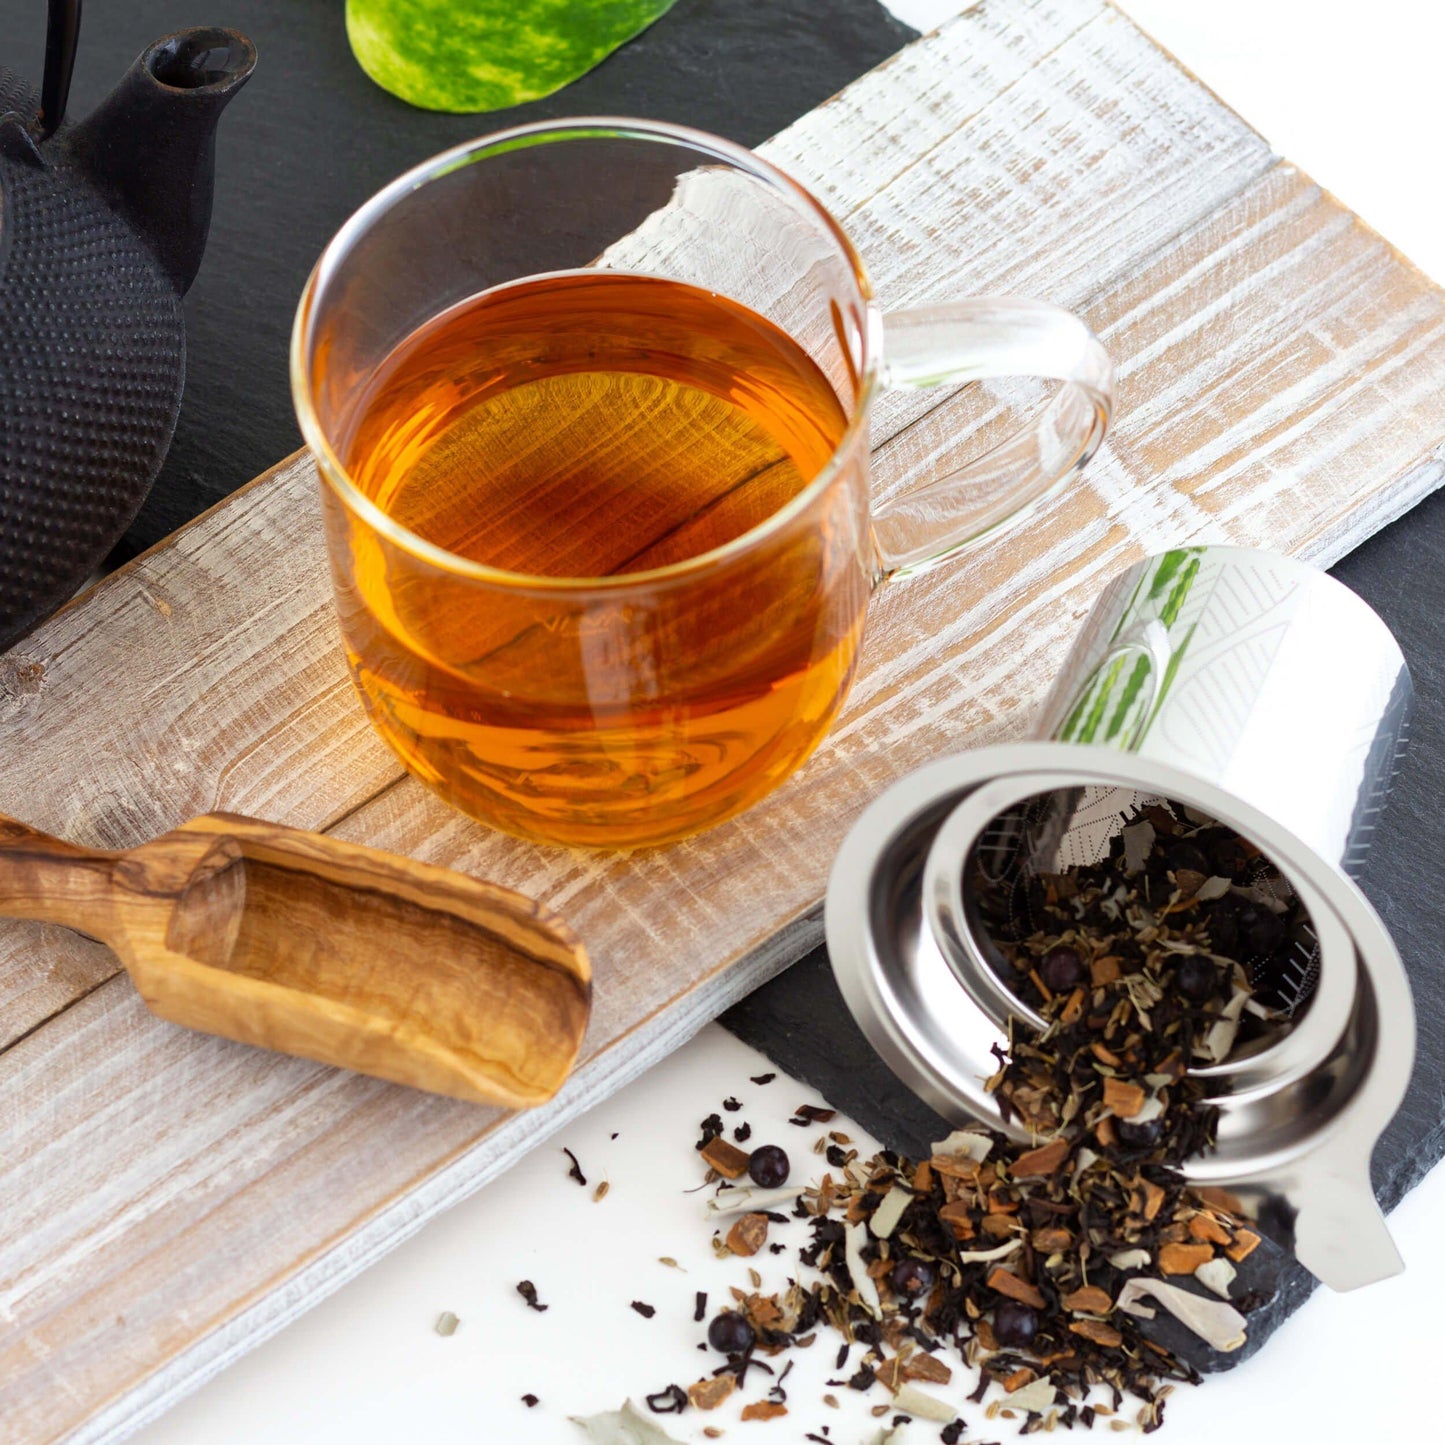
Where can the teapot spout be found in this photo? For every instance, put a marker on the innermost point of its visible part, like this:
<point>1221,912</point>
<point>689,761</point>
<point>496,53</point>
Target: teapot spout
<point>151,144</point>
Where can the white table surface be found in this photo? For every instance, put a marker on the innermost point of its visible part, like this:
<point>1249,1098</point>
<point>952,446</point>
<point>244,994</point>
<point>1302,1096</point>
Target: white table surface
<point>1350,92</point>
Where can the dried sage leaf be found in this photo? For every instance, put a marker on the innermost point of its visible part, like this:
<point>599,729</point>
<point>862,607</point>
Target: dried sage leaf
<point>910,1400</point>
<point>627,1426</point>
<point>1214,1321</point>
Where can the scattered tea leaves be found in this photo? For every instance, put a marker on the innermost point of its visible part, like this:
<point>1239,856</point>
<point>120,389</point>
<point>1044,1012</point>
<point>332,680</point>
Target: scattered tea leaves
<point>531,1401</point>
<point>919,1402</point>
<point>1215,1321</point>
<point>748,1234</point>
<point>1036,1263</point>
<point>736,1201</point>
<point>761,1079</point>
<point>711,1127</point>
<point>806,1114</point>
<point>729,1161</point>
<point>627,1426</point>
<point>575,1172</point>
<point>709,1393</point>
<point>645,1310</point>
<point>671,1401</point>
<point>528,1291</point>
<point>763,1410</point>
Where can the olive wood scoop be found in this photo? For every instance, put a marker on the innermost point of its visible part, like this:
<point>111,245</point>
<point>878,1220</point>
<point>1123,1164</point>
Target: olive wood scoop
<point>302,943</point>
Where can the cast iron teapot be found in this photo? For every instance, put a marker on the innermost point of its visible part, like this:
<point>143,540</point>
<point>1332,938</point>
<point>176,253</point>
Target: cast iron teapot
<point>102,225</point>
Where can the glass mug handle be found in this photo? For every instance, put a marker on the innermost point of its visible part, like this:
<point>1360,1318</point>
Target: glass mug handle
<point>961,341</point>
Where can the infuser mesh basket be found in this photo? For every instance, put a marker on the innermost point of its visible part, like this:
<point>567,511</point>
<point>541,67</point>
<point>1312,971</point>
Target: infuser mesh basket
<point>1068,829</point>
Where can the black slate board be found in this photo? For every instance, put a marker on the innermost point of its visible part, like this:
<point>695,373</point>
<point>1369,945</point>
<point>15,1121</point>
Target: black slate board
<point>310,138</point>
<point>800,1021</point>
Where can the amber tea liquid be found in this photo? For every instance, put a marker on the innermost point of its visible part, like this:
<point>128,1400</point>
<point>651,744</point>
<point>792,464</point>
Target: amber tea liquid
<point>600,425</point>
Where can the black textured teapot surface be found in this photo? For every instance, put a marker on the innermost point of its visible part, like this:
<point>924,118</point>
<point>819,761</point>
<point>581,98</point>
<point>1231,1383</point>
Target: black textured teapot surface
<point>102,226</point>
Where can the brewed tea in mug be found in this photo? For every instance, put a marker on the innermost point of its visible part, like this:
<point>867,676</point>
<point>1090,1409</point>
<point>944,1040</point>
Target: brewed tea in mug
<point>600,533</point>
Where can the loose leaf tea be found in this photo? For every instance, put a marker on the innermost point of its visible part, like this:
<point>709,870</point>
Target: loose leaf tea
<point>488,54</point>
<point>528,1291</point>
<point>1039,1261</point>
<point>627,1426</point>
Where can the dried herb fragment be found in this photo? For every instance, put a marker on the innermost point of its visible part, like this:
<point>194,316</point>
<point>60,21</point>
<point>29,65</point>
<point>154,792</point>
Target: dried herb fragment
<point>528,1291</point>
<point>1184,1258</point>
<point>711,1127</point>
<point>671,1401</point>
<point>1006,1282</point>
<point>925,1406</point>
<point>748,1234</point>
<point>627,1426</point>
<point>1041,1161</point>
<point>709,1393</point>
<point>1089,1299</point>
<point>575,1172</point>
<point>761,1079</point>
<point>763,1410</point>
<point>447,1323</point>
<point>645,1310</point>
<point>729,1161</point>
<point>743,1132</point>
<point>806,1114</point>
<point>1098,1332</point>
<point>530,1401</point>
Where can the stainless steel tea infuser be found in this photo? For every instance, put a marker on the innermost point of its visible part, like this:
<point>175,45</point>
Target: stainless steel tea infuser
<point>1250,690</point>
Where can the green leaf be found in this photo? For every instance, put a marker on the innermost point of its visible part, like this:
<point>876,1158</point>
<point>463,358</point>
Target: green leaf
<point>471,55</point>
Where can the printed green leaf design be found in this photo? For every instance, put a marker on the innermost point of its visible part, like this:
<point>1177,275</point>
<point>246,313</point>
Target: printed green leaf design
<point>1119,683</point>
<point>472,55</point>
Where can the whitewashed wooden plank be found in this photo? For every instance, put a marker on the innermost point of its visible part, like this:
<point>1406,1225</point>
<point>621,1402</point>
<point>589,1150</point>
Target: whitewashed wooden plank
<point>1029,147</point>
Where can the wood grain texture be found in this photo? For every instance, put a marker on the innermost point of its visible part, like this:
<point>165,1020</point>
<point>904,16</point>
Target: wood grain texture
<point>311,946</point>
<point>1282,381</point>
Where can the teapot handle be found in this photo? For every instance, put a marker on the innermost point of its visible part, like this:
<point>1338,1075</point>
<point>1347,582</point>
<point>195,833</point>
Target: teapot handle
<point>62,35</point>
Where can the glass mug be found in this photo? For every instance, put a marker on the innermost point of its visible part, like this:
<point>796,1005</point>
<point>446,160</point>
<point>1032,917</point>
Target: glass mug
<point>589,400</point>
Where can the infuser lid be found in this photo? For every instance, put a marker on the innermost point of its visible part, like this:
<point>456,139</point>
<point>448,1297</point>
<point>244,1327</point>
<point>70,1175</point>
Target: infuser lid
<point>1298,1118</point>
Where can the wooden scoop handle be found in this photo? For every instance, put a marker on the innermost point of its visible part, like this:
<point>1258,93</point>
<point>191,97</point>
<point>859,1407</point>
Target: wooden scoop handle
<point>52,881</point>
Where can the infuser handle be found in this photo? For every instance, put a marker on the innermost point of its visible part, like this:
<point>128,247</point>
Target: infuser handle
<point>1340,1234</point>
<point>963,341</point>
